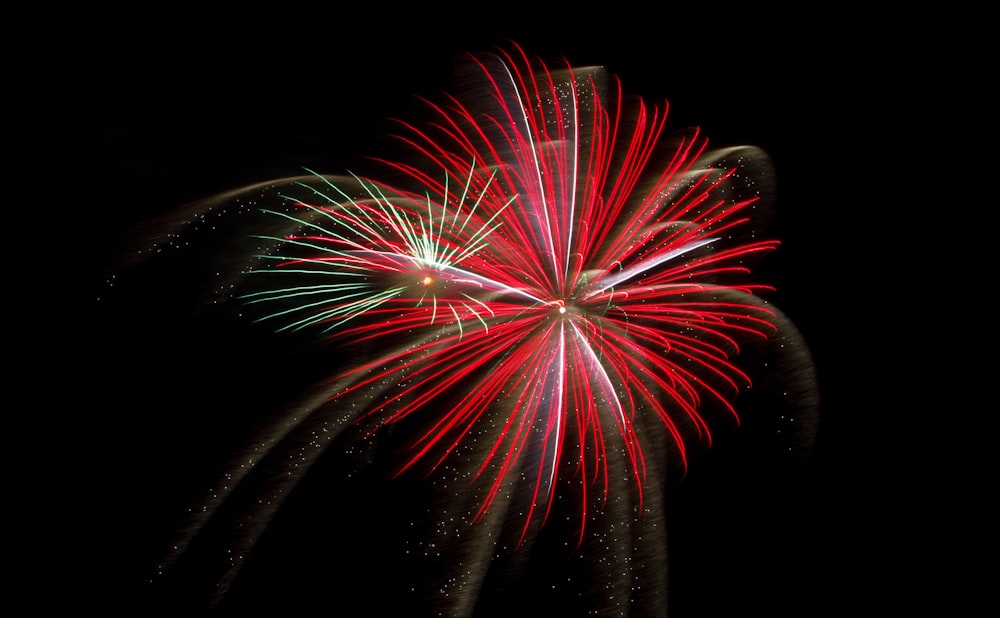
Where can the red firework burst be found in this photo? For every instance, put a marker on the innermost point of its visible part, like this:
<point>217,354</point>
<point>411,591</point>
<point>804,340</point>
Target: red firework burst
<point>551,278</point>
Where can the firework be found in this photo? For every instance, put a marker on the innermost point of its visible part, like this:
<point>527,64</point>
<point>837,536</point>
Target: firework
<point>548,292</point>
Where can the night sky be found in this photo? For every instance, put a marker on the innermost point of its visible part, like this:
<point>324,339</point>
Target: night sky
<point>157,117</point>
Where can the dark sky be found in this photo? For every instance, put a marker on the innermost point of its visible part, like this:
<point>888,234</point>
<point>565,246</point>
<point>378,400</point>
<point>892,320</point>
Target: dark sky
<point>171,110</point>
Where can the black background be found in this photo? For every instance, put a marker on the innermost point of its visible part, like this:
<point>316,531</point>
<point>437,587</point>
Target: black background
<point>161,110</point>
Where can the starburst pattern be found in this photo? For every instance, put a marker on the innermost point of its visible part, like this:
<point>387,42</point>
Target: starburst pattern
<point>549,289</point>
<point>539,277</point>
